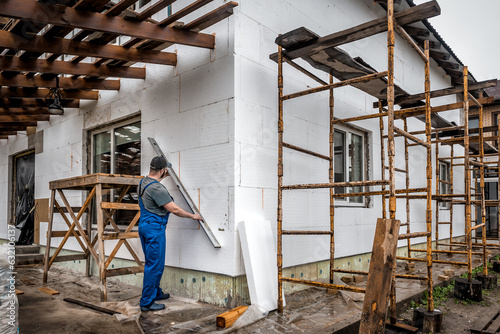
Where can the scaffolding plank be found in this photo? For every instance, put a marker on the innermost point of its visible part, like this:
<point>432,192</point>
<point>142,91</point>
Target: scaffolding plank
<point>186,196</point>
<point>379,280</point>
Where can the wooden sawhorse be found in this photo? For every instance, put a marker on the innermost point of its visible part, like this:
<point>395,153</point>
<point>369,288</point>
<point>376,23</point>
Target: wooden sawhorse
<point>94,184</point>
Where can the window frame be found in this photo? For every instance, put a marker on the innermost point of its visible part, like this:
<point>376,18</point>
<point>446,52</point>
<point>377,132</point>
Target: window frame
<point>109,127</point>
<point>447,166</point>
<point>348,132</point>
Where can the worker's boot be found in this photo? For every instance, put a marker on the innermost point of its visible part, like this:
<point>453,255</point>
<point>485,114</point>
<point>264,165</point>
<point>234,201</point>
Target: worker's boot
<point>153,307</point>
<point>164,296</point>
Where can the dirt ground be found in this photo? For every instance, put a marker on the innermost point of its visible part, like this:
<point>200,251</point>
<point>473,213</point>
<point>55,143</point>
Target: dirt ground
<point>308,311</point>
<point>459,316</point>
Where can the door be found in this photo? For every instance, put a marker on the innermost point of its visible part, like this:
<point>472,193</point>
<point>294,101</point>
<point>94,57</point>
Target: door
<point>24,197</point>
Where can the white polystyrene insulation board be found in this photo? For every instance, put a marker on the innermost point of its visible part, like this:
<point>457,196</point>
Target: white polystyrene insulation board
<point>259,257</point>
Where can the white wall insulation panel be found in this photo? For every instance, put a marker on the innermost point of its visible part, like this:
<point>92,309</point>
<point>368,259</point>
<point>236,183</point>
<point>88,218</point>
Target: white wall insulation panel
<point>259,256</point>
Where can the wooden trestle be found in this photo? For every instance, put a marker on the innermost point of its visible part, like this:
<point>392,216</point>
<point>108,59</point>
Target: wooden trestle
<point>93,187</point>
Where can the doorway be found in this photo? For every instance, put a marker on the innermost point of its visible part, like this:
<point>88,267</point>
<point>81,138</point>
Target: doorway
<point>24,197</point>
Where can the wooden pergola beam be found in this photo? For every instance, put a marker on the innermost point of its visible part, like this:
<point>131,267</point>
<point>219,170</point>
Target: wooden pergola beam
<point>13,128</point>
<point>64,83</point>
<point>38,43</point>
<point>83,19</point>
<point>153,9</point>
<point>64,67</point>
<point>33,103</point>
<point>41,93</point>
<point>23,118</point>
<point>24,111</point>
<point>211,18</point>
<point>17,125</point>
<point>183,12</point>
<point>8,133</point>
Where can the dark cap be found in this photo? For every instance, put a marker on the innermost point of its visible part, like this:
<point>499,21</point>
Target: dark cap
<point>159,162</point>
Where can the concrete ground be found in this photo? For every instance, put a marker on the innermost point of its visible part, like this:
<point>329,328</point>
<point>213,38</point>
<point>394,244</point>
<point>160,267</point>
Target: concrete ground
<point>307,311</point>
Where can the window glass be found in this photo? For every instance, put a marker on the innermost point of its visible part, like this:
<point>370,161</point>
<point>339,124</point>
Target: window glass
<point>339,160</point>
<point>473,122</point>
<point>123,143</point>
<point>444,175</point>
<point>102,152</point>
<point>128,149</point>
<point>356,164</point>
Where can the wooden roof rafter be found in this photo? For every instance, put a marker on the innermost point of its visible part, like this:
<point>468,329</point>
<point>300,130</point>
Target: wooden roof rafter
<point>33,44</point>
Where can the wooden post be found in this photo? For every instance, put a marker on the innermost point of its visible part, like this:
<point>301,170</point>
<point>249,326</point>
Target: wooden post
<point>100,243</point>
<point>331,175</point>
<point>428,216</point>
<point>49,236</point>
<point>280,179</point>
<point>379,280</point>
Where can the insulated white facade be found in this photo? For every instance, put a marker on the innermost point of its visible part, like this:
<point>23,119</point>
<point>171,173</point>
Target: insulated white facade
<point>215,117</point>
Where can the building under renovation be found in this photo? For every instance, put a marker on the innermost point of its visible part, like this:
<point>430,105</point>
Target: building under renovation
<point>274,111</point>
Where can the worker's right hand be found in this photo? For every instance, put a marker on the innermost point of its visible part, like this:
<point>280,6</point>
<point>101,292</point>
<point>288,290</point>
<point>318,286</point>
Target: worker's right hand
<point>196,217</point>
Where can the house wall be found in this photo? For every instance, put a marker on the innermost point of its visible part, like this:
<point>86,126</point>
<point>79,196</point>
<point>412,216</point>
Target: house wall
<point>215,117</point>
<point>306,124</point>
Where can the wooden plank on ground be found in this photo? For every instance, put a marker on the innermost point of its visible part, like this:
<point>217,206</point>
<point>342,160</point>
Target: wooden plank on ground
<point>226,319</point>
<point>27,281</point>
<point>494,327</point>
<point>91,306</point>
<point>48,290</point>
<point>483,322</point>
<point>379,280</point>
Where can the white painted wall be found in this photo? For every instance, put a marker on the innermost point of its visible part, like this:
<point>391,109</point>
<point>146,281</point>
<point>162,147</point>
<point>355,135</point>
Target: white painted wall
<point>258,23</point>
<point>215,117</point>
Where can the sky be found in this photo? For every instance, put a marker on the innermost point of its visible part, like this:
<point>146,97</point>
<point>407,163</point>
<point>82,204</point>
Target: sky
<point>472,29</point>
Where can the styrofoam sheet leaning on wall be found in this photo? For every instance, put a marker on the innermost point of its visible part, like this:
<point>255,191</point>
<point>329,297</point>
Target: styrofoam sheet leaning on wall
<point>259,257</point>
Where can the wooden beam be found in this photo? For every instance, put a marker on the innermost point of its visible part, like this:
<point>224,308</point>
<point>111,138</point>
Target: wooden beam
<point>4,128</point>
<point>432,44</point>
<point>417,32</point>
<point>41,93</point>
<point>448,64</point>
<point>64,46</point>
<point>421,110</point>
<point>404,17</point>
<point>211,18</point>
<point>120,7</point>
<point>23,110</point>
<point>440,55</point>
<point>16,125</point>
<point>64,67</point>
<point>20,119</point>
<point>33,103</point>
<point>183,12</point>
<point>21,80</point>
<point>378,285</point>
<point>153,9</point>
<point>8,133</point>
<point>442,92</point>
<point>83,19</point>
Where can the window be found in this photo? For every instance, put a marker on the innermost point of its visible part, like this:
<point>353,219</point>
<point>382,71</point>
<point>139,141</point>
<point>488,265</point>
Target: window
<point>473,122</point>
<point>444,182</point>
<point>117,150</point>
<point>349,162</point>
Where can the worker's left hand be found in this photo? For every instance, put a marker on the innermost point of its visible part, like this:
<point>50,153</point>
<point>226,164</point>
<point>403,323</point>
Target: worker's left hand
<point>196,217</point>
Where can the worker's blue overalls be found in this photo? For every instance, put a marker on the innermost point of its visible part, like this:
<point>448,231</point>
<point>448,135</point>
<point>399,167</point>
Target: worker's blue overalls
<point>152,234</point>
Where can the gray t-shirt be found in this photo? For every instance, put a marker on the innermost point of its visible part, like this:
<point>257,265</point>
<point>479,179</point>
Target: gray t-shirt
<point>155,197</point>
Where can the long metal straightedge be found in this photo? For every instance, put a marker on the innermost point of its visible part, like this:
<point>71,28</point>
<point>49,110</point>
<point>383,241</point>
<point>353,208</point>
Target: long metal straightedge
<point>186,196</point>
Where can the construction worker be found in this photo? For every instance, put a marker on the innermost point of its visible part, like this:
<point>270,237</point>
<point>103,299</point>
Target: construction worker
<point>156,205</point>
